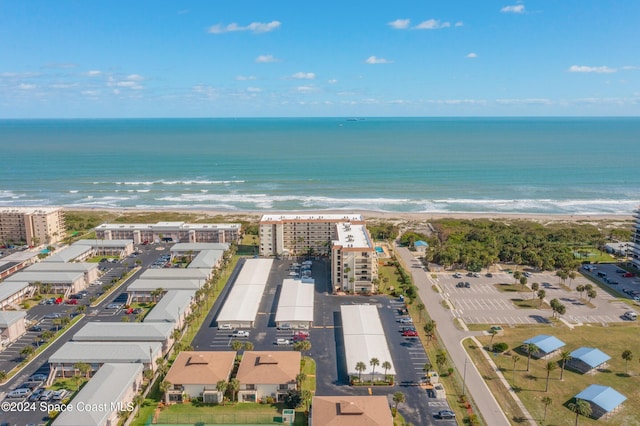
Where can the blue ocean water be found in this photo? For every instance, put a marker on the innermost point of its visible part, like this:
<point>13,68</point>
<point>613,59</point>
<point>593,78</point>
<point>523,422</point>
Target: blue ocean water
<point>508,165</point>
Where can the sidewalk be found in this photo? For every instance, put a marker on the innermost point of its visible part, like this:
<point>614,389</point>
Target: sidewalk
<point>451,337</point>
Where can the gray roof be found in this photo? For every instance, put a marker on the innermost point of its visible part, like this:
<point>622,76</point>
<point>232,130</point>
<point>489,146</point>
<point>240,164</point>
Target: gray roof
<point>150,285</point>
<point>604,397</point>
<point>172,303</point>
<point>124,332</point>
<point>99,243</point>
<point>69,253</point>
<point>9,288</point>
<point>206,259</point>
<point>47,277</point>
<point>109,385</point>
<point>103,352</point>
<point>183,247</point>
<point>62,267</point>
<point>8,318</point>
<point>174,273</point>
<point>21,256</point>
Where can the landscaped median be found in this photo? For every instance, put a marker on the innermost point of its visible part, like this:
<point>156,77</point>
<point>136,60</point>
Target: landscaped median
<point>114,287</point>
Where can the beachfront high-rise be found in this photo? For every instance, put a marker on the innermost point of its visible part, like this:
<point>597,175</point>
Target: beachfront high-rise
<point>354,263</point>
<point>31,225</point>
<point>176,231</point>
<point>297,234</point>
<point>635,253</point>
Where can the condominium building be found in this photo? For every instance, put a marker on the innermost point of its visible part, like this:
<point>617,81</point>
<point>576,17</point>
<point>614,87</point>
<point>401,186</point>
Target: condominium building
<point>31,225</point>
<point>301,234</point>
<point>354,263</point>
<point>635,237</point>
<point>171,231</point>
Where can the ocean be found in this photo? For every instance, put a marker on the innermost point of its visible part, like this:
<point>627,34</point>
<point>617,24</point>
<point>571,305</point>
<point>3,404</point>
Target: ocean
<point>578,166</point>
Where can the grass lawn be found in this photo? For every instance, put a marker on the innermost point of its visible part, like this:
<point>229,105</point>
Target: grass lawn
<point>237,413</point>
<point>530,386</point>
<point>512,288</point>
<point>530,303</point>
<point>391,274</point>
<point>593,255</point>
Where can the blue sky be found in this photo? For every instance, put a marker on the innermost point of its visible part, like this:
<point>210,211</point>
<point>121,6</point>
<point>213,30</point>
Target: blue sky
<point>332,58</point>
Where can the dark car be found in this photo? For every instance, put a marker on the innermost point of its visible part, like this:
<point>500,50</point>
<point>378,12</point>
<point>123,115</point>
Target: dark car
<point>467,284</point>
<point>35,328</point>
<point>489,275</point>
<point>446,414</point>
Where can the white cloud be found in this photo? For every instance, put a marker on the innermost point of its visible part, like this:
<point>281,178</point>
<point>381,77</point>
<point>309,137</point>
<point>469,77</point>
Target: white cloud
<point>255,27</point>
<point>332,81</point>
<point>305,89</point>
<point>630,67</point>
<point>432,24</point>
<point>254,89</point>
<point>25,86</point>
<point>516,8</point>
<point>585,68</point>
<point>376,60</point>
<point>135,77</point>
<point>245,77</point>
<point>472,55</point>
<point>400,24</point>
<point>459,24</point>
<point>526,101</point>
<point>63,85</point>
<point>265,59</point>
<point>90,92</point>
<point>304,76</point>
<point>93,73</point>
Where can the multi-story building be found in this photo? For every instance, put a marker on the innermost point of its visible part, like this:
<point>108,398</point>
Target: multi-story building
<point>301,234</point>
<point>173,231</point>
<point>31,225</point>
<point>635,237</point>
<point>354,263</point>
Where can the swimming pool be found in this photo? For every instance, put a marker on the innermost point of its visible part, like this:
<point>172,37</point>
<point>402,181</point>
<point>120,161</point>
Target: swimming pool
<point>379,249</point>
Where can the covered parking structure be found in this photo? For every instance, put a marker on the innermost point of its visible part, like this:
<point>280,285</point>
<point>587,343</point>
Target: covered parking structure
<point>604,400</point>
<point>587,360</point>
<point>241,307</point>
<point>295,305</point>
<point>364,340</point>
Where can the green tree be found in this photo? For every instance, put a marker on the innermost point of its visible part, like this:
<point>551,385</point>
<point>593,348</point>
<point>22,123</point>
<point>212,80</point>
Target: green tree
<point>530,349</point>
<point>580,407</point>
<point>523,281</point>
<point>541,296</point>
<point>306,398</point>
<point>591,294</point>
<point>221,386</point>
<point>580,289</point>
<point>360,367</point>
<point>162,366</point>
<point>564,357</point>
<point>83,368</point>
<point>236,345</point>
<point>627,356</point>
<point>563,275</point>
<point>429,329</point>
<point>234,386</point>
<point>3,375</point>
<point>373,362</point>
<point>164,387</point>
<point>516,276</point>
<point>547,401</point>
<point>398,398</point>
<point>572,276</point>
<point>387,366</point>
<point>441,358</point>
<point>551,365</point>
<point>534,287</point>
<point>302,346</point>
<point>493,333</point>
<point>300,378</point>
<point>515,358</point>
<point>27,351</point>
<point>248,346</point>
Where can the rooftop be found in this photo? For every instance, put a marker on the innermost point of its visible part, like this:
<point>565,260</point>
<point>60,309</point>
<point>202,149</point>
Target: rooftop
<point>124,331</point>
<point>46,277</point>
<point>353,236</point>
<point>590,356</point>
<point>7,318</point>
<point>201,368</point>
<point>172,305</point>
<point>604,397</point>
<point>69,253</point>
<point>351,411</point>
<point>30,210</point>
<point>61,267</point>
<point>174,273</point>
<point>105,352</point>
<point>546,344</point>
<point>143,285</point>
<point>313,217</point>
<point>99,243</point>
<point>8,289</point>
<point>269,367</point>
<point>196,247</point>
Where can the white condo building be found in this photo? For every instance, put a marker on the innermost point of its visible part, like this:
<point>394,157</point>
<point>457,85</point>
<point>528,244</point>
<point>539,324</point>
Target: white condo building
<point>31,225</point>
<point>354,263</point>
<point>176,231</point>
<point>635,253</point>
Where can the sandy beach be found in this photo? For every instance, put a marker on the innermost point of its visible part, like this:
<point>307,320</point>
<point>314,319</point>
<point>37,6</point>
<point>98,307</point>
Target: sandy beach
<point>398,217</point>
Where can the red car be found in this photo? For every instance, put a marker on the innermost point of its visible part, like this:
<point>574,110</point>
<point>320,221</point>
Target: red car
<point>410,333</point>
<point>72,302</point>
<point>302,334</point>
<point>58,301</point>
<point>629,275</point>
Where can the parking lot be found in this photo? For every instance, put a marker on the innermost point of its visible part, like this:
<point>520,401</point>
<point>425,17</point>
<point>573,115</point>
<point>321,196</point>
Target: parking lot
<point>483,303</point>
<point>327,343</point>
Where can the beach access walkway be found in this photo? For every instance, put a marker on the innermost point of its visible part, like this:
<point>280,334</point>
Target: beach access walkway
<point>451,337</point>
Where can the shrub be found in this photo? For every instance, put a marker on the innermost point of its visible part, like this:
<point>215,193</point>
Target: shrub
<point>500,347</point>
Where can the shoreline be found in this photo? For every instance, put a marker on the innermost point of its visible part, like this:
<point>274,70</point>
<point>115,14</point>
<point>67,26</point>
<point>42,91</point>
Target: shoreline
<point>374,215</point>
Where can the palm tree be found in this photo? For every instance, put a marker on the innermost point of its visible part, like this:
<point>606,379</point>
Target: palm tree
<point>580,407</point>
<point>547,401</point>
<point>161,366</point>
<point>234,385</point>
<point>429,328</point>
<point>3,375</point>
<point>386,365</point>
<point>516,276</point>
<point>441,358</point>
<point>551,365</point>
<point>155,293</point>
<point>530,348</point>
<point>627,356</point>
<point>164,387</point>
<point>374,362</point>
<point>493,333</point>
<point>398,398</point>
<point>27,351</point>
<point>300,377</point>
<point>523,281</point>
<point>564,357</point>
<point>534,287</point>
<point>421,309</point>
<point>236,345</point>
<point>515,358</point>
<point>580,289</point>
<point>541,295</point>
<point>306,397</point>
<point>83,367</point>
<point>572,276</point>
<point>360,367</point>
<point>221,386</point>
<point>248,346</point>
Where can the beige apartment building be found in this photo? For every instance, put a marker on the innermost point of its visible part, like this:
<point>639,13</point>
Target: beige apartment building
<point>635,236</point>
<point>354,263</point>
<point>293,234</point>
<point>31,225</point>
<point>175,231</point>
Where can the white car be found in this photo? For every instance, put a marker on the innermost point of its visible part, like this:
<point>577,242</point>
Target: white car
<point>457,275</point>
<point>285,326</point>
<point>280,342</point>
<point>225,327</point>
<point>240,333</point>
<point>406,320</point>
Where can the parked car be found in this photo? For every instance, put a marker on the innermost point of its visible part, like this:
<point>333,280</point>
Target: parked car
<point>280,342</point>
<point>225,327</point>
<point>304,334</point>
<point>467,284</point>
<point>114,306</point>
<point>285,326</point>
<point>46,395</point>
<point>628,275</point>
<point>460,284</point>
<point>457,275</point>
<point>446,414</point>
<point>72,302</point>
<point>36,394</point>
<point>52,316</point>
<point>19,393</point>
<point>630,315</point>
<point>38,377</point>
<point>240,333</point>
<point>409,333</point>
<point>35,328</point>
<point>489,275</point>
<point>60,395</point>
<point>406,320</point>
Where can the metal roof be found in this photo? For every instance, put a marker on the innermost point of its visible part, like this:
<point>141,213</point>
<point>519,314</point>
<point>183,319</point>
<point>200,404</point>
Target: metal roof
<point>242,304</point>
<point>546,343</point>
<point>68,253</point>
<point>296,301</point>
<point>604,397</point>
<point>104,352</point>
<point>7,318</point>
<point>107,387</point>
<point>206,259</point>
<point>100,243</point>
<point>8,289</point>
<point>124,331</point>
<point>254,271</point>
<point>196,247</point>
<point>62,267</point>
<point>174,273</point>
<point>150,285</point>
<point>171,307</point>
<point>47,277</point>
<point>590,356</point>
